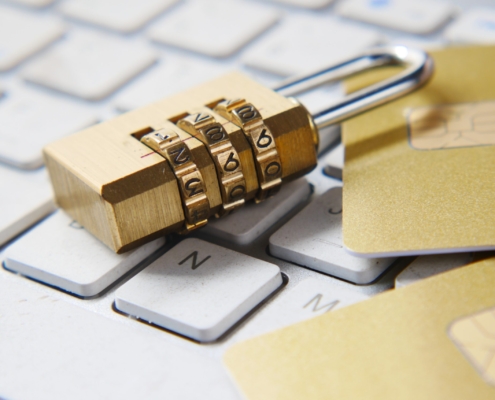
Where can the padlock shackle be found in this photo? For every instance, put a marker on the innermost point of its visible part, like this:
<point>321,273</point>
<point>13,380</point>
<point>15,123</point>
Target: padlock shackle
<point>419,69</point>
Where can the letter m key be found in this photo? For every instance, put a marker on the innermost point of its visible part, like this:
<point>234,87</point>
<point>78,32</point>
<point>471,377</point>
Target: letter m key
<point>323,307</point>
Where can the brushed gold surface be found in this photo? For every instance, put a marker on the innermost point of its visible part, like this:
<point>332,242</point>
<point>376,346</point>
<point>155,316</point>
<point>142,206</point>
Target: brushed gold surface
<point>125,193</point>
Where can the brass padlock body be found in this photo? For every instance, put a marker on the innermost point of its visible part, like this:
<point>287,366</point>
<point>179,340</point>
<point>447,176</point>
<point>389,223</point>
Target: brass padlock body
<point>125,194</point>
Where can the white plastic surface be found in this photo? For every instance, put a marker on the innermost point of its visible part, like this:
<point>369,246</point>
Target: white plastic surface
<point>198,289</point>
<point>418,16</point>
<point>25,197</point>
<point>53,350</point>
<point>63,254</point>
<point>217,28</point>
<point>120,15</point>
<point>23,34</point>
<point>90,65</point>
<point>172,75</point>
<point>313,238</point>
<point>426,266</point>
<point>476,26</point>
<point>302,43</point>
<point>246,224</point>
<point>30,120</point>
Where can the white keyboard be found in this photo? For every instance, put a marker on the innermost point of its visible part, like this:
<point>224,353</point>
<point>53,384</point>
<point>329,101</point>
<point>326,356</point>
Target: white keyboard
<point>77,320</point>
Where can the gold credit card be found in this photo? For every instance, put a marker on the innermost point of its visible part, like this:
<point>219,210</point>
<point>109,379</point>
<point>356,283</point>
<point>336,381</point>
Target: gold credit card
<point>419,174</point>
<point>434,339</point>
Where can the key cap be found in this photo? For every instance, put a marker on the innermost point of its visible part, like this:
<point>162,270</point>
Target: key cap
<point>52,349</point>
<point>61,253</point>
<point>90,65</point>
<point>474,26</point>
<point>29,120</point>
<point>23,34</point>
<point>419,16</point>
<point>313,238</point>
<point>32,3</point>
<point>300,44</point>
<point>248,223</point>
<point>198,289</point>
<point>306,3</point>
<point>308,299</point>
<point>26,198</point>
<point>216,28</point>
<point>123,16</point>
<point>334,162</point>
<point>173,75</point>
<point>426,266</point>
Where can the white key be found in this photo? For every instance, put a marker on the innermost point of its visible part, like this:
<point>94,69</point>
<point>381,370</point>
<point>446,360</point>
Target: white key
<point>198,289</point>
<point>426,266</point>
<point>418,16</point>
<point>216,28</point>
<point>301,44</point>
<point>120,15</point>
<point>46,251</point>
<point>55,350</point>
<point>32,3</point>
<point>334,162</point>
<point>26,197</point>
<point>306,3</point>
<point>23,34</point>
<point>308,299</point>
<point>90,65</point>
<point>474,26</point>
<point>313,238</point>
<point>173,75</point>
<point>248,223</point>
<point>29,120</point>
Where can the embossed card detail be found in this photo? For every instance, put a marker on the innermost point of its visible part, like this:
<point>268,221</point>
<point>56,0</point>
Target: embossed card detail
<point>449,126</point>
<point>474,336</point>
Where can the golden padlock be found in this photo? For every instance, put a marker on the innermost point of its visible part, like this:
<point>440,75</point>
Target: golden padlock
<point>171,165</point>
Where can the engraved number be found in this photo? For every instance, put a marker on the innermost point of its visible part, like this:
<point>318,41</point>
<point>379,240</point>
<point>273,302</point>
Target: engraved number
<point>180,157</point>
<point>195,263</point>
<point>237,192</point>
<point>201,117</point>
<point>193,186</point>
<point>247,112</point>
<point>215,133</point>
<point>264,140</point>
<point>232,164</point>
<point>273,168</point>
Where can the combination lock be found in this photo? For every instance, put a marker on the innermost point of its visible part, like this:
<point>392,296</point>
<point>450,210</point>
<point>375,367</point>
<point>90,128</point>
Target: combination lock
<point>170,166</point>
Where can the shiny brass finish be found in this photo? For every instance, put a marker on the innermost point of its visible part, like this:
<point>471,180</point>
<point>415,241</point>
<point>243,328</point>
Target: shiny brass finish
<point>192,187</point>
<point>268,164</point>
<point>205,127</point>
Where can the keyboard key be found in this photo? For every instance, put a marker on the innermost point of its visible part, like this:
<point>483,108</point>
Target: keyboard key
<point>173,75</point>
<point>419,16</point>
<point>248,223</point>
<point>123,16</point>
<point>90,65</point>
<point>26,198</point>
<point>46,251</point>
<point>26,111</point>
<point>32,3</point>
<point>474,26</point>
<point>313,238</point>
<point>334,162</point>
<point>426,266</point>
<point>306,3</point>
<point>310,298</point>
<point>216,28</point>
<point>55,350</point>
<point>301,44</point>
<point>198,289</point>
<point>23,34</point>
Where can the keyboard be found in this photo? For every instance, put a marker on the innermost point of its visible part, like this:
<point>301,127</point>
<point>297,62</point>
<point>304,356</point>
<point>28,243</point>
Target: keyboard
<point>79,321</point>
